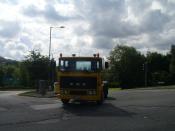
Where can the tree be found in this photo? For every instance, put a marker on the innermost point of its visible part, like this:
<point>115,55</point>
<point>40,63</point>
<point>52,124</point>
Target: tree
<point>126,66</point>
<point>37,67</point>
<point>24,74</point>
<point>172,64</point>
<point>1,75</point>
<point>158,68</point>
<point>9,74</point>
<point>158,62</point>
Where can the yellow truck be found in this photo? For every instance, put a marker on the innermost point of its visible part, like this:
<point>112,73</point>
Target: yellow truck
<point>80,78</point>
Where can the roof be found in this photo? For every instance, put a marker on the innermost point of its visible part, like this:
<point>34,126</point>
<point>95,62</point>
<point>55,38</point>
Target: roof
<point>81,58</point>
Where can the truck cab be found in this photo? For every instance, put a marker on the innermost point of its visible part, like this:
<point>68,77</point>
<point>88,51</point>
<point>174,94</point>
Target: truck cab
<point>79,78</point>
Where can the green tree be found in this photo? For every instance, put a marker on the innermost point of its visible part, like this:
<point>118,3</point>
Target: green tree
<point>158,62</point>
<point>126,66</point>
<point>24,75</point>
<point>172,64</point>
<point>158,68</point>
<point>1,76</point>
<point>37,67</point>
<point>9,74</point>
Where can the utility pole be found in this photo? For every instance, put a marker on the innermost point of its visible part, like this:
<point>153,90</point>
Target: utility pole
<point>50,40</point>
<point>50,43</point>
<point>145,69</point>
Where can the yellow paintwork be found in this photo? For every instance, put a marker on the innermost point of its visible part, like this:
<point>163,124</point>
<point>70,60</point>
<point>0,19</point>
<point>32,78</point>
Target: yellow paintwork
<point>96,97</point>
<point>56,88</point>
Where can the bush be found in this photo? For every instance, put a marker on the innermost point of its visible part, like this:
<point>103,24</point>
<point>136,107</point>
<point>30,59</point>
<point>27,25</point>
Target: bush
<point>114,85</point>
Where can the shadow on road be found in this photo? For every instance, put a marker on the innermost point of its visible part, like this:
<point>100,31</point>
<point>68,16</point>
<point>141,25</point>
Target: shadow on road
<point>91,109</point>
<point>111,98</point>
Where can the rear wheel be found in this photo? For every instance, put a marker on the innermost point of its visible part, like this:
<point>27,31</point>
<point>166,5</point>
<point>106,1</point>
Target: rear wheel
<point>65,101</point>
<point>105,91</point>
<point>105,94</point>
<point>99,102</point>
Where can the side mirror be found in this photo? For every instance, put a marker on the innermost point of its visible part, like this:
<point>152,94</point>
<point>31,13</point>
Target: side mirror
<point>106,65</point>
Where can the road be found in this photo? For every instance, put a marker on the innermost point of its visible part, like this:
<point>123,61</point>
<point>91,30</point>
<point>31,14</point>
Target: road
<point>128,110</point>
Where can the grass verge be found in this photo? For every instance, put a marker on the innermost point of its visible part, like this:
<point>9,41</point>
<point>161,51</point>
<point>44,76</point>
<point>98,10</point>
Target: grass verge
<point>114,89</point>
<point>155,88</point>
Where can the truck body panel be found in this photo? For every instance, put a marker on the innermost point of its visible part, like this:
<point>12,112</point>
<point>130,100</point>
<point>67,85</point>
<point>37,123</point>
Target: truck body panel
<point>79,78</point>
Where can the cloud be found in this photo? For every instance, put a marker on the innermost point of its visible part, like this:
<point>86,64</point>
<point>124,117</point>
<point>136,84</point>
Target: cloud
<point>49,13</point>
<point>52,14</point>
<point>12,49</point>
<point>102,43</point>
<point>139,7</point>
<point>162,41</point>
<point>9,29</point>
<point>106,18</point>
<point>91,26</point>
<point>26,40</point>
<point>32,11</point>
<point>13,2</point>
<point>126,20</point>
<point>154,21</point>
<point>1,44</point>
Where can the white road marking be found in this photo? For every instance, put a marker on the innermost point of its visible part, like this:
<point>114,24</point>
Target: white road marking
<point>46,106</point>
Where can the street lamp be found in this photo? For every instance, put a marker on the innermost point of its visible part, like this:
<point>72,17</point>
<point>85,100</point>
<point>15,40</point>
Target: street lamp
<point>50,76</point>
<point>51,37</point>
<point>145,68</point>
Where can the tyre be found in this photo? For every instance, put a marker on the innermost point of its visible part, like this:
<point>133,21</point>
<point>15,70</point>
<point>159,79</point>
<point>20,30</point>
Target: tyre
<point>105,91</point>
<point>65,101</point>
<point>106,94</point>
<point>99,102</point>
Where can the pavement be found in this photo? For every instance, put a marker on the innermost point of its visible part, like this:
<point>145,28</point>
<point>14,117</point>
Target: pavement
<point>125,110</point>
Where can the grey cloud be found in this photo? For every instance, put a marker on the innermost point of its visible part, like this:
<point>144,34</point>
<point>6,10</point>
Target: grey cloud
<point>1,45</point>
<point>169,6</point>
<point>80,31</point>
<point>12,50</point>
<point>20,47</point>
<point>154,21</point>
<point>15,55</point>
<point>15,45</point>
<point>18,55</point>
<point>106,22</point>
<point>32,11</point>
<point>9,29</point>
<point>13,2</point>
<point>49,13</point>
<point>160,42</point>
<point>105,16</point>
<point>52,14</point>
<point>102,43</point>
<point>26,40</point>
<point>99,8</point>
<point>1,48</point>
<point>139,7</point>
<point>105,19</point>
<point>114,29</point>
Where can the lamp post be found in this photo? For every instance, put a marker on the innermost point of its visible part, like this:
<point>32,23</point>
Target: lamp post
<point>50,40</point>
<point>146,69</point>
<point>50,68</point>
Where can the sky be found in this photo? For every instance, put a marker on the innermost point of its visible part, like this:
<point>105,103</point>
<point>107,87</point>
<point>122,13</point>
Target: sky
<point>91,26</point>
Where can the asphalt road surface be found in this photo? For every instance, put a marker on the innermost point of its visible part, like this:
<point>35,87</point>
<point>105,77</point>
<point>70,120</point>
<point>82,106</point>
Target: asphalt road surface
<point>129,110</point>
